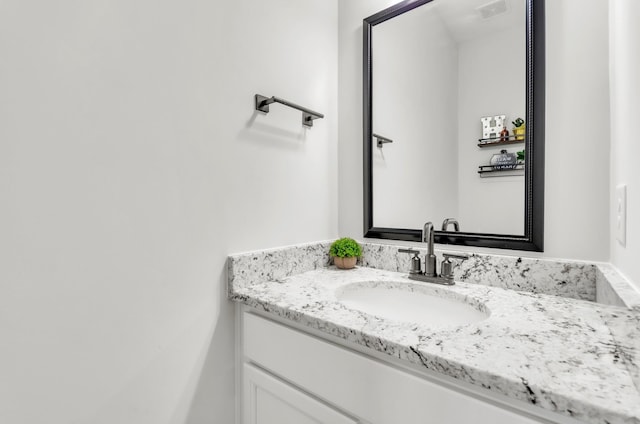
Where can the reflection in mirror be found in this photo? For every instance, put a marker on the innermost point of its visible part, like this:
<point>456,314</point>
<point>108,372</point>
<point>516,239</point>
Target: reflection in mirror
<point>432,73</point>
<point>457,67</point>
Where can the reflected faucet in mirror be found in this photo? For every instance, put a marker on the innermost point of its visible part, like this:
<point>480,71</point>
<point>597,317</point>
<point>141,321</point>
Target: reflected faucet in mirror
<point>452,221</point>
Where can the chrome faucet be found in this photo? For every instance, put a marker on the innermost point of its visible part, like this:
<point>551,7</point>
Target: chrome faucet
<point>430,275</point>
<point>430,259</point>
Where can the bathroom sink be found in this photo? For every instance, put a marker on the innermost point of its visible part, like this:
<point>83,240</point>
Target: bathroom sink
<point>414,303</point>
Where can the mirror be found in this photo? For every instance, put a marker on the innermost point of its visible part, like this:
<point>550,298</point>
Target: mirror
<point>442,80</point>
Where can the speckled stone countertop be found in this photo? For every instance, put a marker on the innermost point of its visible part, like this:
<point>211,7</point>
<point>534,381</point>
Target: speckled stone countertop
<point>570,356</point>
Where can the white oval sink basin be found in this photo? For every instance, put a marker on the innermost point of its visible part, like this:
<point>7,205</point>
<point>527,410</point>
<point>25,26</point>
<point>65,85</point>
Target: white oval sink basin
<point>430,306</point>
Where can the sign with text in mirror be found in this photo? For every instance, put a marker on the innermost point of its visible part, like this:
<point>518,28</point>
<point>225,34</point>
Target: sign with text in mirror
<point>436,71</point>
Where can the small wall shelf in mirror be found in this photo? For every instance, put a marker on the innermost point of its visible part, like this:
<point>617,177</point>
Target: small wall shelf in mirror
<point>491,171</point>
<point>491,142</point>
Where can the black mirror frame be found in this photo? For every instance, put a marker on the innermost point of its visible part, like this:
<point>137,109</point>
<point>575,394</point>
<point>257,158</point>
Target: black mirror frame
<point>533,238</point>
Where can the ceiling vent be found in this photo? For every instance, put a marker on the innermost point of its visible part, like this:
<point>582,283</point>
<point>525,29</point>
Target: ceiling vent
<point>492,9</point>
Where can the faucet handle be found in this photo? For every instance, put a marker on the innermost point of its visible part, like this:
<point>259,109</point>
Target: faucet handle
<point>416,264</point>
<point>455,256</point>
<point>448,266</point>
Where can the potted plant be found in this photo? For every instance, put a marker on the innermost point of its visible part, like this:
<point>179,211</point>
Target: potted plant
<point>518,128</point>
<point>345,252</point>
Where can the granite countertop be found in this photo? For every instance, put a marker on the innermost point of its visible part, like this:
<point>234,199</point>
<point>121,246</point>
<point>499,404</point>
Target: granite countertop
<point>569,356</point>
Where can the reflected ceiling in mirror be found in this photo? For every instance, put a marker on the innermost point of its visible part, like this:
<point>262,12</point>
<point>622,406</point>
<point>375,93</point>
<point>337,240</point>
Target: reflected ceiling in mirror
<point>433,69</point>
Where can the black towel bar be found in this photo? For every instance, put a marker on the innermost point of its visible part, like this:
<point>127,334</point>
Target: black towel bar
<point>262,104</point>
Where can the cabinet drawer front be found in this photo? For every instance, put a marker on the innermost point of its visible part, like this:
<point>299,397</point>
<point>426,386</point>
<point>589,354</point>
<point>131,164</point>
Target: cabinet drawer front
<point>367,388</point>
<point>268,400</point>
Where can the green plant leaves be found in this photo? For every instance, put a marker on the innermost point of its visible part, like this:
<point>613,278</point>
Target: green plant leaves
<point>345,248</point>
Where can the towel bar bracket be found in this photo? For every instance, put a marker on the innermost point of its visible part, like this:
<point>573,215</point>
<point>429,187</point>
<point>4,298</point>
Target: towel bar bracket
<point>382,140</point>
<point>262,103</point>
<point>307,119</point>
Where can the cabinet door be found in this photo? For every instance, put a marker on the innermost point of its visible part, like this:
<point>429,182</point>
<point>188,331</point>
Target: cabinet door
<point>268,400</point>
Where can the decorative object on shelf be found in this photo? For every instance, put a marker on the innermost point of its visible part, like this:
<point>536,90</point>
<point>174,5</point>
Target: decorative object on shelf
<point>520,156</point>
<point>492,125</point>
<point>504,160</point>
<point>504,134</point>
<point>518,128</point>
<point>345,252</point>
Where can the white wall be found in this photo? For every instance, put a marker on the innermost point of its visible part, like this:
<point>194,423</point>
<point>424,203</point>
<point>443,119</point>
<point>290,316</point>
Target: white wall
<point>625,110</point>
<point>131,164</point>
<point>577,133</point>
<point>350,194</point>
<point>488,88</point>
<point>417,108</point>
<point>577,130</point>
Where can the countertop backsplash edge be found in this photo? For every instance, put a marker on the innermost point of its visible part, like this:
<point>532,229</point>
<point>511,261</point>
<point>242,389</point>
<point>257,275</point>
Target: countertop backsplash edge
<point>599,282</point>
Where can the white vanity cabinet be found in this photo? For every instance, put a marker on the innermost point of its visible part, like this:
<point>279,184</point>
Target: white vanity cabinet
<point>292,377</point>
